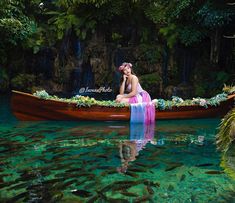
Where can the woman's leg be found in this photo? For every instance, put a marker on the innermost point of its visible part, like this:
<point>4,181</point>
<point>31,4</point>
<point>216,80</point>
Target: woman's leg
<point>145,96</point>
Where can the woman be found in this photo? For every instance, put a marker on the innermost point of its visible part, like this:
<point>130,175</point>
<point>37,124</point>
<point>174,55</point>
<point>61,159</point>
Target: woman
<point>140,113</point>
<point>131,85</point>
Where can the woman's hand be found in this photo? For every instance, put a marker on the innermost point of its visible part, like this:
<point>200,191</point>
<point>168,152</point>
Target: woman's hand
<point>119,98</point>
<point>124,77</point>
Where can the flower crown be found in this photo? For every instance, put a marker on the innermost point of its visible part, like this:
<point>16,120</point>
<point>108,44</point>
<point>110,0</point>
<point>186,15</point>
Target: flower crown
<point>124,65</point>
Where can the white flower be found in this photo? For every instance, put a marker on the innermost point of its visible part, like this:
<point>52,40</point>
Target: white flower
<point>202,102</point>
<point>155,101</point>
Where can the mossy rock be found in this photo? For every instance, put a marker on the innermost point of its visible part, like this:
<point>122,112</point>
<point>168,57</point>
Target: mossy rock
<point>151,83</point>
<point>184,91</point>
<point>23,82</point>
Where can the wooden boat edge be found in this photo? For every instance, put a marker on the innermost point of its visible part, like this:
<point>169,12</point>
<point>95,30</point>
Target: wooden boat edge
<point>232,96</point>
<point>113,113</point>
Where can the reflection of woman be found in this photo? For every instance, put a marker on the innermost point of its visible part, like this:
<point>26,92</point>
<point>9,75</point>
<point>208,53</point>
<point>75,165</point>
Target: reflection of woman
<point>140,135</point>
<point>128,152</point>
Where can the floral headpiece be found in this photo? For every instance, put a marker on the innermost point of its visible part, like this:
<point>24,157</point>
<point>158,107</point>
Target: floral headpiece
<point>124,65</point>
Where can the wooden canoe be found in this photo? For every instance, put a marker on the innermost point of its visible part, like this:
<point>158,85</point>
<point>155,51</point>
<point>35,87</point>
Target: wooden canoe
<point>27,107</point>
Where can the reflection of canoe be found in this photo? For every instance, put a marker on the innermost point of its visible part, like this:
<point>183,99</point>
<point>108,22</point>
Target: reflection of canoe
<point>28,107</point>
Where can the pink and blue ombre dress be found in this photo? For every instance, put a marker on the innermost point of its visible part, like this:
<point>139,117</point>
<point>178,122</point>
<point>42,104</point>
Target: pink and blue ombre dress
<point>142,108</point>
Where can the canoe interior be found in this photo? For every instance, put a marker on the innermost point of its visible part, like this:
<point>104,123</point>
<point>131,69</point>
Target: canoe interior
<point>31,108</point>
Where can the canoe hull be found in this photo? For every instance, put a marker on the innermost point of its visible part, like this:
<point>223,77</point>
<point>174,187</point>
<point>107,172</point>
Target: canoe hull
<point>27,107</point>
<point>30,108</point>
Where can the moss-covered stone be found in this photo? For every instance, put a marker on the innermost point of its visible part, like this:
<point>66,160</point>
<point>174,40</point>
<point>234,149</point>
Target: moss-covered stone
<point>151,83</point>
<point>182,90</point>
<point>23,82</point>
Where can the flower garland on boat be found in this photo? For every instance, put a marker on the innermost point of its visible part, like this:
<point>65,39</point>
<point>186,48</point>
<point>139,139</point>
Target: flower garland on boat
<point>85,101</point>
<point>81,101</point>
<point>177,101</point>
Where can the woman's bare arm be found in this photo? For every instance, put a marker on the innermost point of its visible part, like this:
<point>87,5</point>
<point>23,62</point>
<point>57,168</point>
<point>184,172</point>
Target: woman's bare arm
<point>122,87</point>
<point>134,83</point>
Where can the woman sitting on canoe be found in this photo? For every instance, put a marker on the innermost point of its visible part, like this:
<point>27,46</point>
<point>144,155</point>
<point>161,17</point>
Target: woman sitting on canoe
<point>130,84</point>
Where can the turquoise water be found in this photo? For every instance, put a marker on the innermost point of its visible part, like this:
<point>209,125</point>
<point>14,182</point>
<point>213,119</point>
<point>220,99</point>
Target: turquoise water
<point>173,161</point>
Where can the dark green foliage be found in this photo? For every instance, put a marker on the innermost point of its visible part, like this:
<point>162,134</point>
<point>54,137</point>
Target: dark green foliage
<point>190,35</point>
<point>15,26</point>
<point>188,20</point>
<point>83,16</point>
<point>146,25</point>
<point>182,20</point>
<point>151,82</point>
<point>226,134</point>
<point>214,15</point>
<point>210,84</point>
<point>176,20</point>
<point>150,53</point>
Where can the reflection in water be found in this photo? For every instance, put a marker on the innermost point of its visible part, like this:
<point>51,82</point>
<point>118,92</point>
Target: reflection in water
<point>77,162</point>
<point>140,135</point>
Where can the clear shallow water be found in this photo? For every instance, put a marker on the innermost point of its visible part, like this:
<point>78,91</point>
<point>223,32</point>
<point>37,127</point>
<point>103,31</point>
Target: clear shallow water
<point>173,161</point>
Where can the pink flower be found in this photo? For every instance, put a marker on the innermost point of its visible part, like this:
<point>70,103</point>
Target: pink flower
<point>124,65</point>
